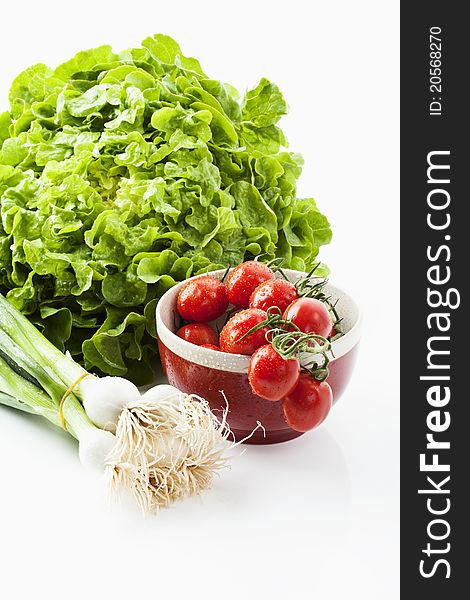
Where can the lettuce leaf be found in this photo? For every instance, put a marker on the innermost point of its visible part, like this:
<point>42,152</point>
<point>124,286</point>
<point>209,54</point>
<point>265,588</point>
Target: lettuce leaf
<point>124,173</point>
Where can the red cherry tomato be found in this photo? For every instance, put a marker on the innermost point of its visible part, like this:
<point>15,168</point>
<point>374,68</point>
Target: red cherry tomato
<point>310,316</point>
<point>211,347</point>
<point>240,324</point>
<point>274,292</point>
<point>308,404</point>
<point>202,299</point>
<point>198,333</point>
<point>244,279</point>
<point>272,377</point>
<point>332,333</point>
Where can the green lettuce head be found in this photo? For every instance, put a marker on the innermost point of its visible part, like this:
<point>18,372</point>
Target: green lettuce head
<point>121,174</point>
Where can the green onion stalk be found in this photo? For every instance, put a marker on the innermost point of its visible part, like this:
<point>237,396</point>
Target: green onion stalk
<point>160,445</point>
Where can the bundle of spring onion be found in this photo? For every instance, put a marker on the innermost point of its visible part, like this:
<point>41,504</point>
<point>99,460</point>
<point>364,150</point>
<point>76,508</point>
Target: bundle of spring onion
<point>160,445</point>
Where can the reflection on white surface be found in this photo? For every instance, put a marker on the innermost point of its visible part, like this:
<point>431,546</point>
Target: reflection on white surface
<point>263,482</point>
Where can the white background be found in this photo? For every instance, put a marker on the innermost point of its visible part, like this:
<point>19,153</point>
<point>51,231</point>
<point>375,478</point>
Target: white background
<point>318,515</point>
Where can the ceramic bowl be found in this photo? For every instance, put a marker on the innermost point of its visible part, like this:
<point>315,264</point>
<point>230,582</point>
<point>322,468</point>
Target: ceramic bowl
<point>208,373</point>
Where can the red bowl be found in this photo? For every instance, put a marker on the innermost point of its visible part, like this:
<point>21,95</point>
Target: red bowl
<point>213,375</point>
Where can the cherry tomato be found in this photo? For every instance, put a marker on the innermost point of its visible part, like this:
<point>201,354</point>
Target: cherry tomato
<point>274,292</point>
<point>198,333</point>
<point>310,316</point>
<point>244,279</point>
<point>308,404</point>
<point>240,324</point>
<point>211,347</point>
<point>272,377</point>
<point>202,299</point>
<point>333,332</point>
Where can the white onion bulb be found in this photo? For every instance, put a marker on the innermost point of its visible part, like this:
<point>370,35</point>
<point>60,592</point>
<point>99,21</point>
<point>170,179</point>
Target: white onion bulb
<point>105,397</point>
<point>93,448</point>
<point>163,392</point>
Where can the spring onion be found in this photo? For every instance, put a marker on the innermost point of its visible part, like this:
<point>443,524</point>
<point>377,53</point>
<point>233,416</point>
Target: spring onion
<point>160,445</point>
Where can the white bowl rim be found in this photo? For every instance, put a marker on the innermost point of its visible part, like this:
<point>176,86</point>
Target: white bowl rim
<point>238,363</point>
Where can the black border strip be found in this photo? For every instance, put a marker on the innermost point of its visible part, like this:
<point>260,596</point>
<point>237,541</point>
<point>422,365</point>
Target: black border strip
<point>422,247</point>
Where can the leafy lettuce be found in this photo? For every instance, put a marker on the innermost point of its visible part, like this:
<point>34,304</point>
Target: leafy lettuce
<point>121,174</point>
